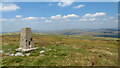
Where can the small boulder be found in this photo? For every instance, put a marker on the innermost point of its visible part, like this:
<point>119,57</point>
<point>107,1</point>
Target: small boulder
<point>42,51</point>
<point>18,54</point>
<point>12,54</point>
<point>1,51</point>
<point>28,54</point>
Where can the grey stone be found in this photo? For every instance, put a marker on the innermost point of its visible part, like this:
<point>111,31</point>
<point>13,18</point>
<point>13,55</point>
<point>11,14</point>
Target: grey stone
<point>28,54</point>
<point>42,51</point>
<point>11,54</point>
<point>7,53</point>
<point>1,51</point>
<point>26,40</point>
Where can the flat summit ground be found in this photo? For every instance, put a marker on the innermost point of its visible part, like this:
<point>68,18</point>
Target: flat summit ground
<point>61,50</point>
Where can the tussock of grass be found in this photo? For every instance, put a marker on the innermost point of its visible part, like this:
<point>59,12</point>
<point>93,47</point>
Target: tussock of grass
<point>62,50</point>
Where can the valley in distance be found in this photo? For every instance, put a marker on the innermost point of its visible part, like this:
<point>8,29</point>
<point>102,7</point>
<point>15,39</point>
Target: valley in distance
<point>70,47</point>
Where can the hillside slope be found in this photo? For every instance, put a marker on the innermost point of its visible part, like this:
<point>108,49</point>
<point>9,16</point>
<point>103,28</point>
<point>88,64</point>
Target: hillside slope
<point>61,50</point>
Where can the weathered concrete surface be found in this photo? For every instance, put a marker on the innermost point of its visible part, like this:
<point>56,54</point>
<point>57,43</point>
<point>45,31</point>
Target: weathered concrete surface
<point>26,40</point>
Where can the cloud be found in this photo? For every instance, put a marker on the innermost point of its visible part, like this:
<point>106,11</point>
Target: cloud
<point>90,19</point>
<point>70,16</point>
<point>79,6</point>
<point>111,17</point>
<point>36,22</point>
<point>104,19</point>
<point>3,19</point>
<point>64,17</point>
<point>8,7</point>
<point>49,4</point>
<point>43,18</point>
<point>30,18</point>
<point>108,18</point>
<point>119,14</point>
<point>8,20</point>
<point>95,15</point>
<point>18,16</point>
<point>116,21</point>
<point>56,17</point>
<point>48,21</point>
<point>67,19</point>
<point>64,3</point>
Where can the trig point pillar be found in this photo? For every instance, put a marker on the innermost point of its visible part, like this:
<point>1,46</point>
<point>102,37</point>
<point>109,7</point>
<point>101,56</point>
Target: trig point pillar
<point>26,40</point>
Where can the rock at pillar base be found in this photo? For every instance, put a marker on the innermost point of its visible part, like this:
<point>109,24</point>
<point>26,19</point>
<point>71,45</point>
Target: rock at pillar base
<point>25,50</point>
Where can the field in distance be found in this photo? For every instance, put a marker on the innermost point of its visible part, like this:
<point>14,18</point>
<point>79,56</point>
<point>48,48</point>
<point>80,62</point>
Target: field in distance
<point>60,50</point>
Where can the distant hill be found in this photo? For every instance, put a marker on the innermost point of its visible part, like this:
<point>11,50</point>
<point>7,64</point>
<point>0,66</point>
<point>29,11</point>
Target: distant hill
<point>97,32</point>
<point>87,32</point>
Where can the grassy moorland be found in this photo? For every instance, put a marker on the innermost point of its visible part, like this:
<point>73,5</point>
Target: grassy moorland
<point>61,50</point>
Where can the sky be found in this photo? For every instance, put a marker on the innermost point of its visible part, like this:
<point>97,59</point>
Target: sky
<point>58,15</point>
<point>60,0</point>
